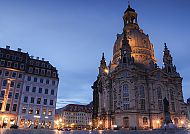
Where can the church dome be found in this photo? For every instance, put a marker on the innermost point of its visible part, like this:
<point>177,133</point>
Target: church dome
<point>141,48</point>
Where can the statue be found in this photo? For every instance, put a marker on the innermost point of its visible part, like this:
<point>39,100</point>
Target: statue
<point>167,119</point>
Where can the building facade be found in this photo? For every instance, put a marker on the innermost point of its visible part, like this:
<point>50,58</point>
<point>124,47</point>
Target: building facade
<point>74,116</point>
<point>129,92</point>
<point>28,90</point>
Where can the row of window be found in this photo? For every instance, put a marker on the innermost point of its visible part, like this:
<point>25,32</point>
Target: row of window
<point>12,64</point>
<point>14,107</point>
<point>10,95</point>
<point>40,90</point>
<point>12,57</point>
<point>38,101</point>
<point>37,111</point>
<point>5,82</point>
<point>11,74</point>
<point>40,80</point>
<point>41,71</point>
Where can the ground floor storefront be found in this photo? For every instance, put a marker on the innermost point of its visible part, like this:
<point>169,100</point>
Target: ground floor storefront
<point>7,120</point>
<point>35,122</point>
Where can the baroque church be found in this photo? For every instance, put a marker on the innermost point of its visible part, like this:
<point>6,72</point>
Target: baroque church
<point>129,92</point>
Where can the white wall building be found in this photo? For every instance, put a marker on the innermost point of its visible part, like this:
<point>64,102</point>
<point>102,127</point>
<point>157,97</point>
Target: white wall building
<point>28,90</point>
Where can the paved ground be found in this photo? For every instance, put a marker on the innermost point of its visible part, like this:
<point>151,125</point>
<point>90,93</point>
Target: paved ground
<point>29,131</point>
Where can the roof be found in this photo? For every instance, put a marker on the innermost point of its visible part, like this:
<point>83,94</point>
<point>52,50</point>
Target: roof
<point>76,108</point>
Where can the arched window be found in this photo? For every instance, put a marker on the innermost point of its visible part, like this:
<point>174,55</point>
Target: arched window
<point>145,121</point>
<point>160,101</point>
<point>125,91</point>
<point>141,92</point>
<point>171,94</point>
<point>159,93</point>
<point>125,97</point>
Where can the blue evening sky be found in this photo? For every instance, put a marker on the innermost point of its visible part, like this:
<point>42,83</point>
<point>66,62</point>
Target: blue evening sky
<point>72,34</point>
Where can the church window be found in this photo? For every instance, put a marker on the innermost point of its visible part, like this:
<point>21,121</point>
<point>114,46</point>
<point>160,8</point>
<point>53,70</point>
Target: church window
<point>173,106</point>
<point>159,93</point>
<point>171,94</point>
<point>160,106</point>
<point>142,104</point>
<point>125,97</point>
<point>160,102</point>
<point>141,92</point>
<point>125,91</point>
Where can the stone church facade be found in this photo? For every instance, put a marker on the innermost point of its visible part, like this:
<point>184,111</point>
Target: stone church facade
<point>129,92</point>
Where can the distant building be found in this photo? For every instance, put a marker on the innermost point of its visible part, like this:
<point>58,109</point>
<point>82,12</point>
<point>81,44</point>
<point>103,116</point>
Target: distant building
<point>129,92</point>
<point>74,116</point>
<point>188,109</point>
<point>28,90</point>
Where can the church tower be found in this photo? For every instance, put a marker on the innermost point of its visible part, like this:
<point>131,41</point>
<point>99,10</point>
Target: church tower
<point>167,60</point>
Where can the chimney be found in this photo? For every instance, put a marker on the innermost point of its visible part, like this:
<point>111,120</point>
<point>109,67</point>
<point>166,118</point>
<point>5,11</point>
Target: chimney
<point>31,57</point>
<point>43,59</point>
<point>37,58</point>
<point>7,47</point>
<point>19,50</point>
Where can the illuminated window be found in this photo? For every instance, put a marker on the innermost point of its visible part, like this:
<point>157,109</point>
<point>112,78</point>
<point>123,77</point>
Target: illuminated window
<point>145,121</point>
<point>44,112</point>
<point>24,110</point>
<point>37,111</point>
<point>49,112</point>
<point>30,111</point>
